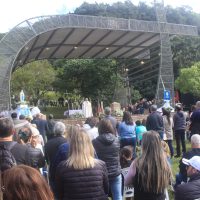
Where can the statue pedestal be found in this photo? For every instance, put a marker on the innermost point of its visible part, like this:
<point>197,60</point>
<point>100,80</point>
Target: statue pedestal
<point>23,109</point>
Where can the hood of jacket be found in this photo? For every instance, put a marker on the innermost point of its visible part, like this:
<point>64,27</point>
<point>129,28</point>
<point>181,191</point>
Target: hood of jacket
<point>107,138</point>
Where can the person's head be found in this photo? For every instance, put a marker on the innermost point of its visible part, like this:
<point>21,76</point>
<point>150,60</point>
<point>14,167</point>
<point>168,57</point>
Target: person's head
<point>38,116</point>
<point>81,153</point>
<point>138,123</point>
<point>105,127</point>
<point>50,116</point>
<point>70,129</point>
<point>107,110</point>
<point>6,127</point>
<point>193,165</point>
<point>153,108</point>
<point>59,129</point>
<point>166,111</point>
<point>195,141</point>
<point>198,105</point>
<point>144,121</point>
<point>178,107</point>
<point>14,115</point>
<point>127,118</point>
<point>125,155</point>
<point>24,182</point>
<point>35,139</point>
<point>29,119</point>
<point>21,117</point>
<point>25,134</point>
<point>91,121</point>
<point>152,166</point>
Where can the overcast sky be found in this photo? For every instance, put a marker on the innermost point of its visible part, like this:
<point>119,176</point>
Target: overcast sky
<point>12,12</point>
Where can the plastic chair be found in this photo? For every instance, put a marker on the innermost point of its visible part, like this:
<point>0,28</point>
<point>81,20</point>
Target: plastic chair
<point>128,190</point>
<point>166,195</point>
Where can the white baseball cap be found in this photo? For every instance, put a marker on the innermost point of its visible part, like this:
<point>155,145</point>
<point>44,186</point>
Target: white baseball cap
<point>194,162</point>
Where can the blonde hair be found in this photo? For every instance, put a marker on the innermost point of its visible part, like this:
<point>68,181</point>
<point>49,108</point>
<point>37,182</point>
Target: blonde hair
<point>153,169</point>
<point>81,152</point>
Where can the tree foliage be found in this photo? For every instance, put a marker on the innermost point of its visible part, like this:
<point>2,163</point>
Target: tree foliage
<point>34,78</point>
<point>189,80</point>
<point>186,51</point>
<point>93,78</point>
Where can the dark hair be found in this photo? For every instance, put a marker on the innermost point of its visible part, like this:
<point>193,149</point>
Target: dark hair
<point>144,121</point>
<point>24,182</point>
<point>107,110</point>
<point>6,127</point>
<point>127,118</point>
<point>126,156</point>
<point>178,107</point>
<point>25,134</point>
<point>50,116</point>
<point>92,121</point>
<point>105,126</point>
<point>22,117</point>
<point>138,122</point>
<point>14,115</point>
<point>166,113</point>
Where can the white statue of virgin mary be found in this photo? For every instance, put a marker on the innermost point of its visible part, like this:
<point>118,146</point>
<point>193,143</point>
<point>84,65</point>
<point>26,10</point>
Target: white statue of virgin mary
<point>22,96</point>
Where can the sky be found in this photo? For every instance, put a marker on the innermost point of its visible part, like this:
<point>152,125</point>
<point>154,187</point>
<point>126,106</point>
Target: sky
<point>13,12</point>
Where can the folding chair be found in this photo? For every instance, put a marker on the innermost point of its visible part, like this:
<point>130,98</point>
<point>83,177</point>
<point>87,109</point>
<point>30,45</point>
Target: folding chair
<point>128,190</point>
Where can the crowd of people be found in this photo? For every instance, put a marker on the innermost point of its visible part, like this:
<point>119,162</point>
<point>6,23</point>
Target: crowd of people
<point>46,159</point>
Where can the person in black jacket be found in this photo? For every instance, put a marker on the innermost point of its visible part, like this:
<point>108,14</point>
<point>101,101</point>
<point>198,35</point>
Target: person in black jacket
<point>81,176</point>
<point>155,121</point>
<point>36,157</point>
<point>50,127</point>
<point>107,148</point>
<point>179,119</point>
<point>190,190</point>
<point>51,149</point>
<point>19,151</point>
<point>195,144</point>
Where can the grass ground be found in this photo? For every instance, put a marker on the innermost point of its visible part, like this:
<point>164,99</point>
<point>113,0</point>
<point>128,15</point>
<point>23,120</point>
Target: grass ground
<point>175,165</point>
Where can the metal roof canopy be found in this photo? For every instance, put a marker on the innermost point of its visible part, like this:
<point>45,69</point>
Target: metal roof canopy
<point>75,36</point>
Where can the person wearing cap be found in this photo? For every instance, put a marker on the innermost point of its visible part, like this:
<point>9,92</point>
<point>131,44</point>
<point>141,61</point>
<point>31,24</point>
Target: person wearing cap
<point>179,119</point>
<point>155,121</point>
<point>191,189</point>
<point>195,145</point>
<point>195,120</point>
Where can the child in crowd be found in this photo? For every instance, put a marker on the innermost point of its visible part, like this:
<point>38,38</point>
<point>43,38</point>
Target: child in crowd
<point>126,156</point>
<point>140,130</point>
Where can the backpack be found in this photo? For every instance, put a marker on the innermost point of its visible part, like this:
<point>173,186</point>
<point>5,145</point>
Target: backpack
<point>7,159</point>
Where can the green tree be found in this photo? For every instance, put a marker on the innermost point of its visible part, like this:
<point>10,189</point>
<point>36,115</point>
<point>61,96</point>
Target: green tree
<point>189,80</point>
<point>135,95</point>
<point>93,78</point>
<point>35,79</point>
<point>186,51</point>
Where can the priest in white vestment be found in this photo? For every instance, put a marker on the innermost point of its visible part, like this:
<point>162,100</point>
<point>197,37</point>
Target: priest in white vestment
<point>87,108</point>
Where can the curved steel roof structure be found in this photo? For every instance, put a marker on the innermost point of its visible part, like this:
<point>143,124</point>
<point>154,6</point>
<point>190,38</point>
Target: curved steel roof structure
<point>75,36</point>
